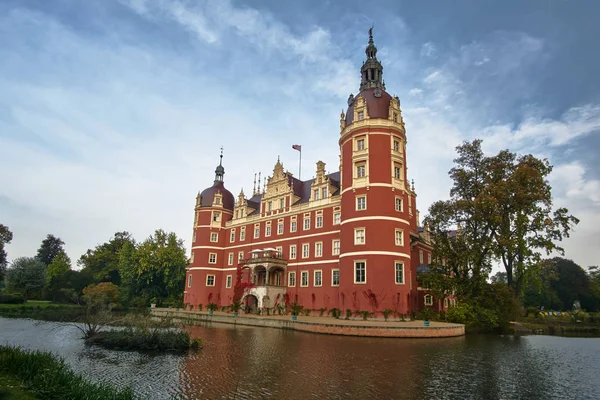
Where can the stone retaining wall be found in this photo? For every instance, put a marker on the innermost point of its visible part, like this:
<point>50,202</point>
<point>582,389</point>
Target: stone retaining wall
<point>354,328</point>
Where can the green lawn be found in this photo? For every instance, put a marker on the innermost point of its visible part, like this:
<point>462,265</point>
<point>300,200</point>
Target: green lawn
<point>12,389</point>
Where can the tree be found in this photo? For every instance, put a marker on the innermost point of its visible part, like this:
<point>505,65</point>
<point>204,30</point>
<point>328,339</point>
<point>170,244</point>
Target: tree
<point>57,274</point>
<point>5,238</point>
<point>103,262</point>
<point>26,275</point>
<point>49,249</point>
<point>499,277</point>
<point>527,223</point>
<point>158,268</point>
<point>572,284</point>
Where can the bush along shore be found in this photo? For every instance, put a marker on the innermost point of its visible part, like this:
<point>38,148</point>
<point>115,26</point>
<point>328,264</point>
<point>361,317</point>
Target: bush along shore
<point>145,339</point>
<point>48,377</point>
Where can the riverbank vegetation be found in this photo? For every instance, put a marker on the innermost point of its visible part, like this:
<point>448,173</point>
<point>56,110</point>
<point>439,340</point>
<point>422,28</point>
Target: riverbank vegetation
<point>145,339</point>
<point>42,375</point>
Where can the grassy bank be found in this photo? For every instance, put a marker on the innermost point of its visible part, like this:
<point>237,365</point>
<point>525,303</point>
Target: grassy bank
<point>41,375</point>
<point>145,339</point>
<point>42,310</point>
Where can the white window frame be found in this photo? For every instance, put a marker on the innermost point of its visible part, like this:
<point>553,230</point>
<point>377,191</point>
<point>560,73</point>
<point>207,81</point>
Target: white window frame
<point>279,250</point>
<point>268,229</point>
<point>401,241</point>
<point>304,274</point>
<point>214,235</point>
<point>240,256</point>
<point>395,142</point>
<point>398,201</point>
<point>360,144</point>
<point>282,203</point>
<point>396,264</point>
<point>212,258</point>
<point>319,282</point>
<point>293,224</point>
<point>256,231</point>
<point>428,299</point>
<point>360,170</point>
<point>333,271</point>
<point>397,171</point>
<point>242,233</point>
<point>214,280</point>
<point>280,227</point>
<point>316,193</point>
<point>319,249</point>
<point>319,221</point>
<point>306,227</point>
<point>189,282</point>
<point>293,253</point>
<point>358,202</point>
<point>357,240</point>
<point>334,247</point>
<point>229,281</point>
<point>194,237</point>
<point>230,258</point>
<point>292,279</point>
<point>216,217</point>
<point>324,192</point>
<point>305,250</point>
<point>420,256</point>
<point>337,218</point>
<point>364,262</point>
<point>232,236</point>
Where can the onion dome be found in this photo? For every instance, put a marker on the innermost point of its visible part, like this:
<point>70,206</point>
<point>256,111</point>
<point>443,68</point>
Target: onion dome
<point>207,196</point>
<point>372,86</point>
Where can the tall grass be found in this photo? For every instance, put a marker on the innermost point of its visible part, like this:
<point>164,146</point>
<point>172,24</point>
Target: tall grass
<point>48,377</point>
<point>145,339</point>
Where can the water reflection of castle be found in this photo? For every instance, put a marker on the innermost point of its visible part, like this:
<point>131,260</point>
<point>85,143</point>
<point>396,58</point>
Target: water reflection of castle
<point>347,239</point>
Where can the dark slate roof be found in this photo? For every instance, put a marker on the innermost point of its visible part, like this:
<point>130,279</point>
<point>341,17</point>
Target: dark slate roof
<point>207,196</point>
<point>377,107</point>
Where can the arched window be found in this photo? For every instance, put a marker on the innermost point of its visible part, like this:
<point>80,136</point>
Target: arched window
<point>428,300</point>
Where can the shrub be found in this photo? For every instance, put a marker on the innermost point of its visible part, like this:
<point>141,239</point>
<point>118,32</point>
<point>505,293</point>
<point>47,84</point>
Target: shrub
<point>532,312</point>
<point>386,313</point>
<point>348,313</point>
<point>145,340</point>
<point>335,312</point>
<point>11,299</point>
<point>322,311</point>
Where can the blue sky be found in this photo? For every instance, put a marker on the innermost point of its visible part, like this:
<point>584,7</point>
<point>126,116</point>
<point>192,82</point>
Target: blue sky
<point>112,112</point>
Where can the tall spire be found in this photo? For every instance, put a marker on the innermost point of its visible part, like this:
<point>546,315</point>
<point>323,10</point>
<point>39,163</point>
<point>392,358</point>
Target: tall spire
<point>371,70</point>
<point>220,171</point>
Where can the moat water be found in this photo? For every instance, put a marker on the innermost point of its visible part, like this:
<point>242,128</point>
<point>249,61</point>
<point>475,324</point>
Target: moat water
<point>262,363</point>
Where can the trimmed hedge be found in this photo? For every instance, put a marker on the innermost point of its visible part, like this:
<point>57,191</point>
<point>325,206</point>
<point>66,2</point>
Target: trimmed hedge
<point>49,378</point>
<point>11,299</point>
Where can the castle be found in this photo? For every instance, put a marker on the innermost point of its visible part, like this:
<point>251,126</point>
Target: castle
<point>349,239</point>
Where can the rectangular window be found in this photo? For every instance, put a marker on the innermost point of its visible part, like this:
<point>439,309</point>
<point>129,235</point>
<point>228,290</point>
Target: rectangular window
<point>360,272</point>
<point>304,278</point>
<point>270,206</point>
<point>192,257</point>
<point>243,234</point>
<point>268,230</point>
<point>194,237</point>
<point>230,259</point>
<point>335,277</point>
<point>335,248</point>
<point>318,278</point>
<point>324,193</point>
<point>359,236</point>
<point>337,218</point>
<point>279,251</point>
<point>319,221</point>
<point>214,237</point>
<point>305,250</point>
<point>361,115</point>
<point>293,224</point>
<point>190,280</point>
<point>361,170</point>
<point>399,239</point>
<point>210,280</point>
<point>319,249</point>
<point>281,203</point>
<point>396,144</point>
<point>361,202</point>
<point>256,231</point>
<point>399,204</point>
<point>360,144</point>
<point>399,273</point>
<point>280,227</point>
<point>428,258</point>
<point>229,282</point>
<point>306,224</point>
<point>232,236</point>
<point>397,172</point>
<point>292,252</point>
<point>316,194</point>
<point>291,279</point>
<point>216,216</point>
<point>241,256</point>
<point>428,300</point>
<point>212,258</point>
<point>421,256</point>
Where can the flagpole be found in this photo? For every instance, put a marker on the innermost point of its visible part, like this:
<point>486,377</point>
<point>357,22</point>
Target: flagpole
<point>300,166</point>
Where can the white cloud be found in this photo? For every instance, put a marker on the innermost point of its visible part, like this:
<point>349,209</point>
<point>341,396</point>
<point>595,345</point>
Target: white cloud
<point>415,92</point>
<point>428,50</point>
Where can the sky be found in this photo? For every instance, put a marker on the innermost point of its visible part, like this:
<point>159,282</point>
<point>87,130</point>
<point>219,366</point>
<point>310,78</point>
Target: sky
<point>112,112</point>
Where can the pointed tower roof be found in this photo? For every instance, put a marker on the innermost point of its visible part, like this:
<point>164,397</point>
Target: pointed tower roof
<point>207,196</point>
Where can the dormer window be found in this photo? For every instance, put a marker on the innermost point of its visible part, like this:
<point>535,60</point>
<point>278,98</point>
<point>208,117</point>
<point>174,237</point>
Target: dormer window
<point>281,203</point>
<point>395,117</point>
<point>269,206</point>
<point>316,194</point>
<point>361,115</point>
<point>216,216</point>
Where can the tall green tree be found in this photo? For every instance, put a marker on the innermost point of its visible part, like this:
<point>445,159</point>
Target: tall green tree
<point>527,224</point>
<point>49,249</point>
<point>5,238</point>
<point>57,275</point>
<point>103,262</point>
<point>160,266</point>
<point>26,275</point>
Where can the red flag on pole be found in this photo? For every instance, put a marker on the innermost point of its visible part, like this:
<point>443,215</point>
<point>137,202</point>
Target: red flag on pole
<point>297,147</point>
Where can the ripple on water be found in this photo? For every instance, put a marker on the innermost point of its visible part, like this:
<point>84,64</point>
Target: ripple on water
<point>254,363</point>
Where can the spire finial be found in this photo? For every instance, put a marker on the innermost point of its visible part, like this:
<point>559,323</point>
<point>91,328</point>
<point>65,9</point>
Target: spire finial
<point>220,171</point>
<point>254,186</point>
<point>371,34</point>
<point>371,70</point>
<point>221,157</point>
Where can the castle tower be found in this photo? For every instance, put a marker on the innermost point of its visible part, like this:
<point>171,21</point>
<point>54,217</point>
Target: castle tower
<point>214,207</point>
<point>375,256</point>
